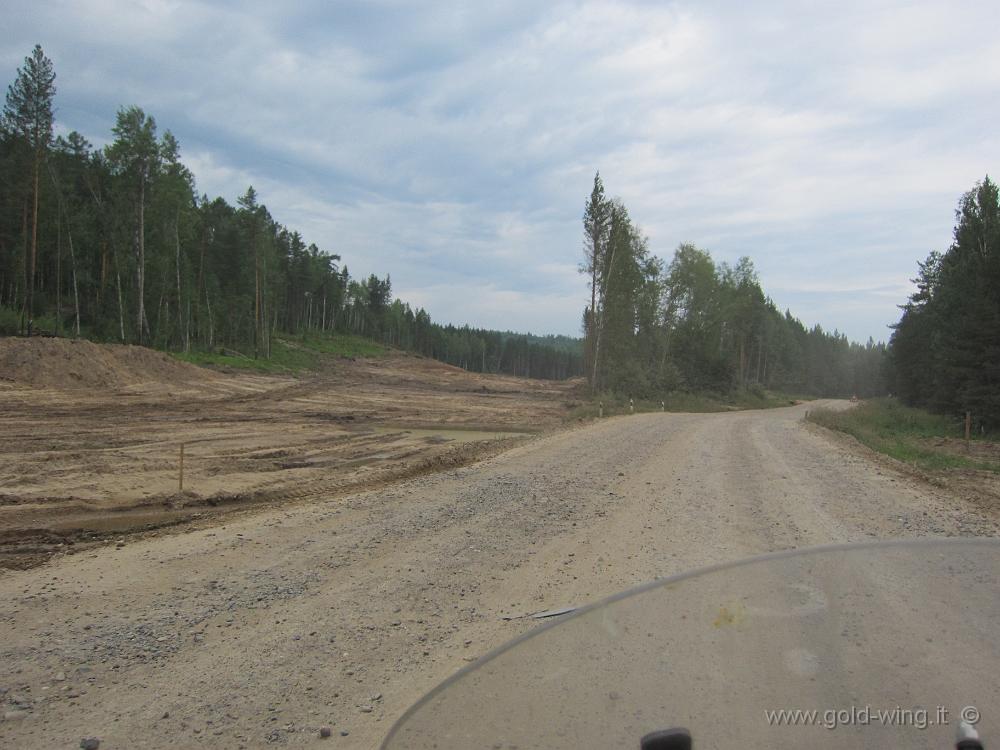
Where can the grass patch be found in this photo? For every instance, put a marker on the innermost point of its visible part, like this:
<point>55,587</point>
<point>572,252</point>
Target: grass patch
<point>340,345</point>
<point>685,401</point>
<point>917,437</point>
<point>10,323</point>
<point>297,354</point>
<point>229,359</point>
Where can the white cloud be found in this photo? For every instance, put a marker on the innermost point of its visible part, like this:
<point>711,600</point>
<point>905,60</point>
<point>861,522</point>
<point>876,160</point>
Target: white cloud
<point>489,305</point>
<point>453,146</point>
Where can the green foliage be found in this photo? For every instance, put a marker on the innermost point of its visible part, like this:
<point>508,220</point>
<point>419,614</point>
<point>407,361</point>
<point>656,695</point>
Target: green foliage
<point>10,322</point>
<point>694,325</point>
<point>26,138</point>
<point>128,252</point>
<point>307,352</point>
<point>27,112</point>
<point>231,361</point>
<point>906,433</point>
<point>945,350</point>
<point>344,345</point>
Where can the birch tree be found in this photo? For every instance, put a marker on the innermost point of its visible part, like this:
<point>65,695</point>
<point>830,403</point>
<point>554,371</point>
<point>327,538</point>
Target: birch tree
<point>134,157</point>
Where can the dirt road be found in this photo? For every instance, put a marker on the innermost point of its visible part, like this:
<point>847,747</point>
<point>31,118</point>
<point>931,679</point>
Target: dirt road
<point>342,612</point>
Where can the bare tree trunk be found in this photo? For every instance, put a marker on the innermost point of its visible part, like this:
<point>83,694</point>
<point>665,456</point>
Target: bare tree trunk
<point>58,276</point>
<point>27,294</point>
<point>263,313</point>
<point>159,313</point>
<point>257,301</point>
<point>166,315</point>
<point>121,304</point>
<point>201,284</point>
<point>742,363</point>
<point>211,329</point>
<point>64,216</point>
<point>666,352</point>
<point>34,245</point>
<point>104,271</point>
<point>141,266</point>
<point>600,321</point>
<point>180,306</point>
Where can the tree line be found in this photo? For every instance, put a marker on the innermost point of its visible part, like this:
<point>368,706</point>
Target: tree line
<point>693,324</point>
<point>116,244</point>
<point>945,349</point>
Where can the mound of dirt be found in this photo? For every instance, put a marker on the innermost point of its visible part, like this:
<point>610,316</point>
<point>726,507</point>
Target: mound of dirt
<point>69,363</point>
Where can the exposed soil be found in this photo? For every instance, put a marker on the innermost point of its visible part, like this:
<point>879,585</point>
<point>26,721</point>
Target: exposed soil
<point>259,629</point>
<point>94,434</point>
<point>79,364</point>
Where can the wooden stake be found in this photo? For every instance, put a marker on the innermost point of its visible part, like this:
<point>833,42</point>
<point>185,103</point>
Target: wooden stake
<point>180,479</point>
<point>600,412</point>
<point>968,429</point>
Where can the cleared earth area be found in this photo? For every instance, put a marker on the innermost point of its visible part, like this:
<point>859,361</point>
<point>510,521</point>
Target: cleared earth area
<point>340,610</point>
<point>93,435</point>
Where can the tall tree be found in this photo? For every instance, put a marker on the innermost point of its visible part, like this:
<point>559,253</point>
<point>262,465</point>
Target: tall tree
<point>697,325</point>
<point>968,307</point>
<point>147,262</point>
<point>605,268</point>
<point>28,116</point>
<point>251,213</point>
<point>596,231</point>
<point>627,331</point>
<point>134,157</point>
<point>176,194</point>
<point>945,350</point>
<point>67,170</point>
<point>912,355</point>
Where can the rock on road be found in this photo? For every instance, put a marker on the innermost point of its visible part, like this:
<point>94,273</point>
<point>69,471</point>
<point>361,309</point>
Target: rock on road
<point>341,613</point>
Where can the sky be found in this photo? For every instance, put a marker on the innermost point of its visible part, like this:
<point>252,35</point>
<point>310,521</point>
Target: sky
<point>453,145</point>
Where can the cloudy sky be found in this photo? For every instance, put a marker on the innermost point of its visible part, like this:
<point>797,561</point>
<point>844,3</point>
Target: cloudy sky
<point>453,145</point>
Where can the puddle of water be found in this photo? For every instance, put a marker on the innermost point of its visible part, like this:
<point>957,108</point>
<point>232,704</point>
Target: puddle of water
<point>122,521</point>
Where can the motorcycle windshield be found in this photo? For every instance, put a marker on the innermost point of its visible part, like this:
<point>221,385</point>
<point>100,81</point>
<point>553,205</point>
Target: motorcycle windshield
<point>874,646</point>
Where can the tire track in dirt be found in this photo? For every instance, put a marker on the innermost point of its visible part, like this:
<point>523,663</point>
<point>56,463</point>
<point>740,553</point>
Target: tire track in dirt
<point>82,466</point>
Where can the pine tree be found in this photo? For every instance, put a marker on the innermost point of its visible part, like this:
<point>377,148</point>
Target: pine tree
<point>28,116</point>
<point>596,231</point>
<point>968,301</point>
<point>251,212</point>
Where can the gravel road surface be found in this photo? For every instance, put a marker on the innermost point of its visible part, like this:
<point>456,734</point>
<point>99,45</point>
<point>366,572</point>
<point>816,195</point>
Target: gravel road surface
<point>340,613</point>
